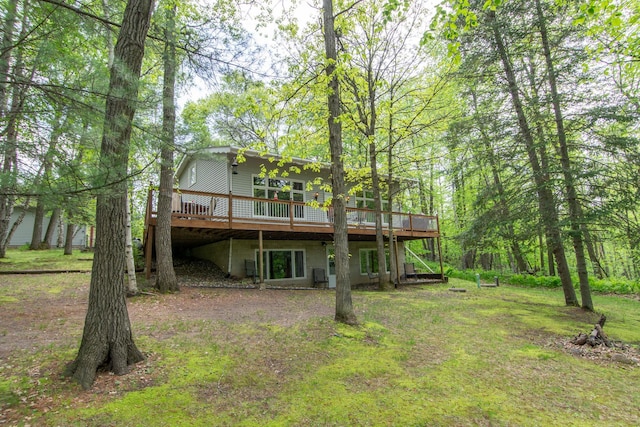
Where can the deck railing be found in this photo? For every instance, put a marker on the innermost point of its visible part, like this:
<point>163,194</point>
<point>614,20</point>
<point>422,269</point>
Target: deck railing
<point>230,208</point>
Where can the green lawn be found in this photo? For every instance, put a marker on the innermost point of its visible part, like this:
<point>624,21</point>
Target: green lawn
<point>422,356</point>
<point>53,259</point>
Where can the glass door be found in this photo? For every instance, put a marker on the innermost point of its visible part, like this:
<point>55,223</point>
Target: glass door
<point>331,266</point>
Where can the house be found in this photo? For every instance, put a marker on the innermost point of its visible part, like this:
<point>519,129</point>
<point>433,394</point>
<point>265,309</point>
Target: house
<point>24,231</point>
<point>273,227</point>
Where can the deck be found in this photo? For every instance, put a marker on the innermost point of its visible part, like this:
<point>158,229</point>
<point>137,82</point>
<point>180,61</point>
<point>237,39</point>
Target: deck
<point>200,218</point>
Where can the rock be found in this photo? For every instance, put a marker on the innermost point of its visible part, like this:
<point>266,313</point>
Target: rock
<point>621,358</point>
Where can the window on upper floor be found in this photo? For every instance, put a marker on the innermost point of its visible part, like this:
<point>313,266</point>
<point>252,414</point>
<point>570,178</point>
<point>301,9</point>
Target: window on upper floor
<point>192,174</point>
<point>279,189</point>
<point>364,200</point>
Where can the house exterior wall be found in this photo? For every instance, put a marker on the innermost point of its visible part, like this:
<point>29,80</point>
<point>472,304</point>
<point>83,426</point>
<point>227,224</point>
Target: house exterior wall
<point>24,232</point>
<point>212,173</point>
<point>315,256</point>
<point>218,253</point>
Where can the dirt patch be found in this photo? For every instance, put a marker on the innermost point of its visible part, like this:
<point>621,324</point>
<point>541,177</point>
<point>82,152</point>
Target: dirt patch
<point>57,319</point>
<point>204,294</point>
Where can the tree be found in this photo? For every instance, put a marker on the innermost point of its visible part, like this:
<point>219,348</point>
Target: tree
<point>132,283</point>
<point>166,280</point>
<point>43,181</point>
<point>51,228</point>
<point>548,209</point>
<point>388,98</point>
<point>575,210</point>
<point>12,98</point>
<point>107,338</point>
<point>344,305</point>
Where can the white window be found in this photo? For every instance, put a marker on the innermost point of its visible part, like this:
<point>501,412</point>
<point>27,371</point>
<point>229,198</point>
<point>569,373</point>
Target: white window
<point>369,260</point>
<point>283,264</point>
<point>364,200</point>
<point>192,174</point>
<point>282,190</point>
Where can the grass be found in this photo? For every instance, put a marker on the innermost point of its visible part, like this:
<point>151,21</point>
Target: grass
<point>421,356</point>
<point>53,259</point>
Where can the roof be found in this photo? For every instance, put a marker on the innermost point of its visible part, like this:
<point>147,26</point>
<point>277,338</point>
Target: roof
<point>245,152</point>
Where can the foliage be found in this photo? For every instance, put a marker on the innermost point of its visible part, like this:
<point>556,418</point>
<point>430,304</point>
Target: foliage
<point>612,286</point>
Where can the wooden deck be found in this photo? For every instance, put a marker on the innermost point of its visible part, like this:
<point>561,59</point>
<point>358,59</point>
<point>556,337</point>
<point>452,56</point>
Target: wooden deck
<point>200,218</point>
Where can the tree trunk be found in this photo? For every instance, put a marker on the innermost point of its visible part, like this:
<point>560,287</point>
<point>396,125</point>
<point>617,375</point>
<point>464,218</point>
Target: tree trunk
<point>598,269</point>
<point>10,19</point>
<point>36,235</point>
<point>9,115</point>
<point>547,206</point>
<point>107,338</point>
<point>68,240</point>
<point>383,282</point>
<point>543,251</point>
<point>132,284</point>
<point>509,231</point>
<point>37,241</point>
<point>344,305</point>
<point>427,207</point>
<point>51,228</point>
<point>575,210</point>
<point>166,280</point>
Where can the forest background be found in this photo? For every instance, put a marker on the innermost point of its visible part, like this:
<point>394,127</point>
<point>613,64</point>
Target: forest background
<point>515,122</point>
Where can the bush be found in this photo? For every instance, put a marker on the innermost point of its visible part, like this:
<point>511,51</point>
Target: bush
<point>533,281</point>
<point>617,286</point>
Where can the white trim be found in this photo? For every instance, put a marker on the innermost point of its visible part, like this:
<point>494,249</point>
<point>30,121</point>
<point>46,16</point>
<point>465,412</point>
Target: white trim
<point>294,267</point>
<point>361,250</point>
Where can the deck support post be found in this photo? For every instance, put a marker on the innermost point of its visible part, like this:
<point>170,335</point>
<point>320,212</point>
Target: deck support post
<point>260,260</point>
<point>230,255</point>
<point>394,241</point>
<point>148,253</point>
<point>440,250</point>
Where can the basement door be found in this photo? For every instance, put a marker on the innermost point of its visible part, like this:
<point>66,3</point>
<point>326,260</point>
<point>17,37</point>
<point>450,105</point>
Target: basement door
<point>331,266</point>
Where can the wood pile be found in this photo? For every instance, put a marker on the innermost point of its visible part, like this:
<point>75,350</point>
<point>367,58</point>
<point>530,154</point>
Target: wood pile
<point>596,337</point>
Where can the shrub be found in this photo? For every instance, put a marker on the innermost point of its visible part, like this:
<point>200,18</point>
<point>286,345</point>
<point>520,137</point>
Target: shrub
<point>617,286</point>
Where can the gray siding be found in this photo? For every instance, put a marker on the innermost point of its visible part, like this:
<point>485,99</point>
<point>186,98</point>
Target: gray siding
<point>315,257</point>
<point>24,231</point>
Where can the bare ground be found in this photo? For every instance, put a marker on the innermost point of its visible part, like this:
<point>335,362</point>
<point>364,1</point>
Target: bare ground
<point>58,318</point>
<point>204,294</point>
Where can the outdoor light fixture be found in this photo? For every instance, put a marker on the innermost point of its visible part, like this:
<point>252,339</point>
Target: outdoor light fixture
<point>234,166</point>
<point>315,196</point>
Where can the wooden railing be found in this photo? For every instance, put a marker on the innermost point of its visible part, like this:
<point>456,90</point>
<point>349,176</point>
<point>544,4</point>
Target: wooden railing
<point>230,208</point>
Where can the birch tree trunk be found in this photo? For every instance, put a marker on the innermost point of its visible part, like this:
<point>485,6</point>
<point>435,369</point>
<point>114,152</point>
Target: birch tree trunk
<point>132,284</point>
